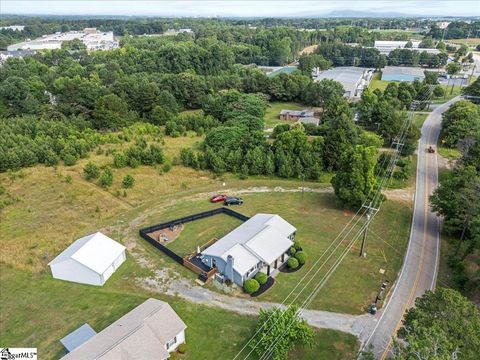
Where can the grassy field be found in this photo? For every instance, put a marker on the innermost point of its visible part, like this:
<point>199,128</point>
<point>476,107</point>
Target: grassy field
<point>38,311</point>
<point>201,231</point>
<point>274,108</point>
<point>470,41</point>
<point>448,153</point>
<point>376,83</point>
<point>448,94</point>
<point>318,221</point>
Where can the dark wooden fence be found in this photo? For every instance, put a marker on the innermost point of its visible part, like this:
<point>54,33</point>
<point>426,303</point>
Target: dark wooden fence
<point>144,234</point>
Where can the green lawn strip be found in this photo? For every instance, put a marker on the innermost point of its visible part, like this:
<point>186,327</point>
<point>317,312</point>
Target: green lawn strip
<point>448,153</point>
<point>37,311</point>
<point>449,95</point>
<point>328,344</point>
<point>201,231</point>
<point>419,119</point>
<point>273,110</point>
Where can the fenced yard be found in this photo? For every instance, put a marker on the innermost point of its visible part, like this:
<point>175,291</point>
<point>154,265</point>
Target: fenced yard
<point>194,238</point>
<point>199,232</point>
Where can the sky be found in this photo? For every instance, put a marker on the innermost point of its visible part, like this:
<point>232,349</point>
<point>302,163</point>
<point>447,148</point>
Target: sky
<point>231,8</point>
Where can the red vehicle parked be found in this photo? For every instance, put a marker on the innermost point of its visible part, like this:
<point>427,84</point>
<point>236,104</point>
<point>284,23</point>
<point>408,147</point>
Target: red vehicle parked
<point>218,198</point>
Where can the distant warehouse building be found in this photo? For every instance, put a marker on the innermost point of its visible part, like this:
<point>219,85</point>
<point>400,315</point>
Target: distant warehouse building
<point>353,79</point>
<point>402,73</point>
<point>386,47</point>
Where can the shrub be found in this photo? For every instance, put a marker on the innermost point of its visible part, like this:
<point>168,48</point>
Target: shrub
<point>91,171</point>
<point>68,179</point>
<point>297,245</point>
<point>128,181</point>
<point>293,251</point>
<point>69,159</point>
<point>292,263</point>
<point>166,167</point>
<point>182,348</point>
<point>106,179</point>
<point>301,257</point>
<point>261,278</point>
<point>119,160</point>
<point>250,286</point>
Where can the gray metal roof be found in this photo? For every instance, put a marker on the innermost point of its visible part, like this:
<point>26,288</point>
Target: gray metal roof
<point>348,76</point>
<point>140,334</point>
<point>78,337</point>
<point>403,70</point>
<point>309,120</point>
<point>300,113</point>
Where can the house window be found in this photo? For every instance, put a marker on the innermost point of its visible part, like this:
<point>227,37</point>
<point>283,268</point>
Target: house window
<point>171,342</point>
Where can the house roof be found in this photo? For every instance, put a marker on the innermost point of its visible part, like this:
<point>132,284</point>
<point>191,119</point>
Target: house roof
<point>300,113</point>
<point>263,237</point>
<point>96,251</point>
<point>78,337</point>
<point>140,334</point>
<point>309,120</point>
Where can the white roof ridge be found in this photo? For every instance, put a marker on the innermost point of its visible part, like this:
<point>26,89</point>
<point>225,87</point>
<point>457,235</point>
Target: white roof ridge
<point>251,251</point>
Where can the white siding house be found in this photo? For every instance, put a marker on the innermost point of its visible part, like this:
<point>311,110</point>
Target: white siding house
<point>262,243</point>
<point>89,260</point>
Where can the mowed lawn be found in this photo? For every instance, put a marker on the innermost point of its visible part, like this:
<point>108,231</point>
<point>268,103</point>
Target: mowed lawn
<point>201,231</point>
<point>377,83</point>
<point>273,110</point>
<point>318,220</point>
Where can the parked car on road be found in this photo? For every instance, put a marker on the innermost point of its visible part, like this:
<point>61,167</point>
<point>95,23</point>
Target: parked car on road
<point>232,200</point>
<point>218,198</point>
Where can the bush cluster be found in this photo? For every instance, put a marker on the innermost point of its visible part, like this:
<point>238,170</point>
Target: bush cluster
<point>261,277</point>
<point>250,286</point>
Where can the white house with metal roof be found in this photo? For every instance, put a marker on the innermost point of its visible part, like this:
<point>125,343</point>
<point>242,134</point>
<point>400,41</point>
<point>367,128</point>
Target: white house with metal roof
<point>150,331</point>
<point>261,243</point>
<point>89,260</point>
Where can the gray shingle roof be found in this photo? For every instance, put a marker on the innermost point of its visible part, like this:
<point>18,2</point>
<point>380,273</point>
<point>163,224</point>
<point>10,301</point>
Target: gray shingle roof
<point>140,334</point>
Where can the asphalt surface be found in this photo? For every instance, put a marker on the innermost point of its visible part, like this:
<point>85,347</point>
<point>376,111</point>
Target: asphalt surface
<point>419,270</point>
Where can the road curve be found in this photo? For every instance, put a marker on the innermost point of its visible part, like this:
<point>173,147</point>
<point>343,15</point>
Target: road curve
<point>419,269</point>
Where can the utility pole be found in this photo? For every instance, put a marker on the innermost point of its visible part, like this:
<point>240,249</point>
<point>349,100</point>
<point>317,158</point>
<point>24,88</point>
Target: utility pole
<point>369,218</point>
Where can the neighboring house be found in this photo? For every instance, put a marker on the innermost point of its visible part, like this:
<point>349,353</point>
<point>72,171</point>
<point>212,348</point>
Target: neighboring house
<point>4,55</point>
<point>261,243</point>
<point>295,114</point>
<point>151,331</point>
<point>309,120</point>
<point>89,260</point>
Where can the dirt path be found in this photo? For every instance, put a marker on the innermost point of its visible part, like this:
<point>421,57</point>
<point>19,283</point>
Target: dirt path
<point>181,287</point>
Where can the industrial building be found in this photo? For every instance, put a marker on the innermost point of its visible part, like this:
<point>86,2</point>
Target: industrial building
<point>93,40</point>
<point>13,27</point>
<point>353,79</point>
<point>386,47</point>
<point>402,73</point>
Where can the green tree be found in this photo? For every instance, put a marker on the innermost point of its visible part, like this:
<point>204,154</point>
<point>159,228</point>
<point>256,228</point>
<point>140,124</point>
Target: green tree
<point>453,68</point>
<point>128,181</point>
<point>319,93</point>
<point>462,119</point>
<point>280,331</point>
<point>355,179</point>
<point>111,112</point>
<point>106,178</point>
<point>91,171</point>
<point>442,325</point>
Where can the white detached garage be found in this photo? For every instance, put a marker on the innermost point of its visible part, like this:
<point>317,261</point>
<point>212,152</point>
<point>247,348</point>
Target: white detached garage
<point>89,260</point>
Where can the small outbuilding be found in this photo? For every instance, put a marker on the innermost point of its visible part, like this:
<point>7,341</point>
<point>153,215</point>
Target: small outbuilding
<point>78,337</point>
<point>89,260</point>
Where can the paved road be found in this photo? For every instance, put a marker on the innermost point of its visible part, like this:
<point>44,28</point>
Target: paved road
<point>419,269</point>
